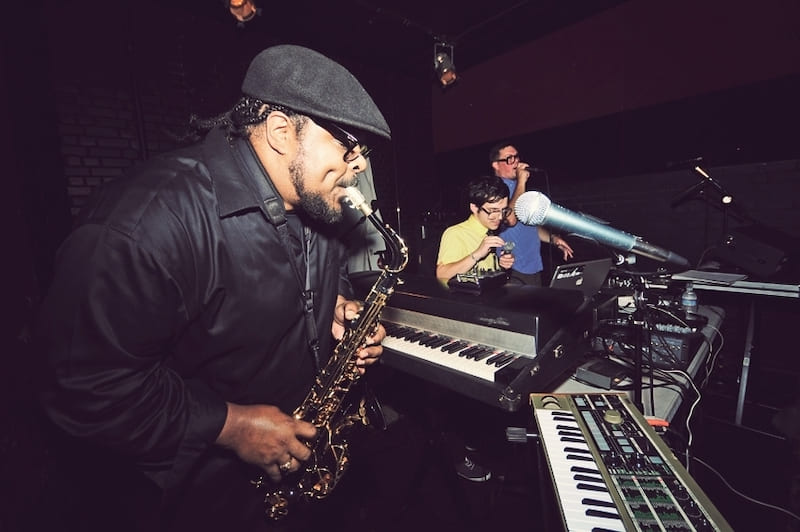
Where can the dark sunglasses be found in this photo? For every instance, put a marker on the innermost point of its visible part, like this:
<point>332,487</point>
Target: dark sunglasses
<point>349,141</point>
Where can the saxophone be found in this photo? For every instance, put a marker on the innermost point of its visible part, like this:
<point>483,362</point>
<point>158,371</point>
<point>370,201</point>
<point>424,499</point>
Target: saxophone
<point>325,406</point>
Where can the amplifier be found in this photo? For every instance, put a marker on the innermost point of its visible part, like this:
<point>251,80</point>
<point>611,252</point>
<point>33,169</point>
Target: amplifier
<point>744,247</point>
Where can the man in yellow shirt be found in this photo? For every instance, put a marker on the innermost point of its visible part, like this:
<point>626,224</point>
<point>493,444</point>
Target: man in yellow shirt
<point>471,245</point>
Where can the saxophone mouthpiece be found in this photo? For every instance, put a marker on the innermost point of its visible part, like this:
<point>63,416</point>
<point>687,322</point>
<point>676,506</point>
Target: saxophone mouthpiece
<point>357,200</point>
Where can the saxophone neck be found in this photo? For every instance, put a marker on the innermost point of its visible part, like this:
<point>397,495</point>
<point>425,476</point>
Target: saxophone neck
<point>395,245</point>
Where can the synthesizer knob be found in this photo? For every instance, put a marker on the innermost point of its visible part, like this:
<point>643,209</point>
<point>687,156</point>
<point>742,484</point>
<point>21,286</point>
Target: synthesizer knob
<point>613,417</point>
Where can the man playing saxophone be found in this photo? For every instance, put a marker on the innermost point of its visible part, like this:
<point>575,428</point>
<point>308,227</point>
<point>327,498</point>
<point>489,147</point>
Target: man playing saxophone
<point>198,298</point>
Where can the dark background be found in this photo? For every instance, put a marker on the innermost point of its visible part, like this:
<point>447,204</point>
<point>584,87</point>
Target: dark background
<point>603,96</point>
<point>606,97</point>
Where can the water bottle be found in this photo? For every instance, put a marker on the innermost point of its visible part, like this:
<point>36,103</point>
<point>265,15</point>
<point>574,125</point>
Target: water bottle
<point>689,300</point>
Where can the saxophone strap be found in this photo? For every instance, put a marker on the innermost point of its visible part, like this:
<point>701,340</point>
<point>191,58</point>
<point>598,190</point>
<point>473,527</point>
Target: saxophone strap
<point>276,214</point>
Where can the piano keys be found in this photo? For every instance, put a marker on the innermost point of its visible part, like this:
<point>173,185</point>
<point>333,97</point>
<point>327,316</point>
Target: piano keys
<point>611,471</point>
<point>494,347</point>
<point>582,492</point>
<point>469,349</point>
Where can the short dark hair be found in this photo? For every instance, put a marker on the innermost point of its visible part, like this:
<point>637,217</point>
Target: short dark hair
<point>486,189</point>
<point>494,151</point>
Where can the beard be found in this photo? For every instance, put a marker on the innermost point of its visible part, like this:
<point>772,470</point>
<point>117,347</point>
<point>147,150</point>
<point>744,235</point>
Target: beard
<point>312,203</point>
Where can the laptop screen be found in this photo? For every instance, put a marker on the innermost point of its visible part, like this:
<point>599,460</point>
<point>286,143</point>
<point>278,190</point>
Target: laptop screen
<point>586,276</point>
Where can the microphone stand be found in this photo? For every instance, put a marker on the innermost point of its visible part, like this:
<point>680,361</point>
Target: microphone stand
<point>636,325</point>
<point>724,202</point>
<point>725,199</point>
<point>638,355</point>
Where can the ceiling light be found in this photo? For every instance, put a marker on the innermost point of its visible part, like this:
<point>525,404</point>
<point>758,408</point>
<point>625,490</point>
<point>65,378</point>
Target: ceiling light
<point>243,10</point>
<point>443,64</point>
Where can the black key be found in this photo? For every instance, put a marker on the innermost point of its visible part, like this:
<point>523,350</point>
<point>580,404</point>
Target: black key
<point>429,340</point>
<point>591,487</point>
<point>579,457</point>
<point>467,352</point>
<point>594,502</point>
<point>588,478</point>
<point>600,513</point>
<point>576,450</point>
<point>458,346</point>
<point>440,342</point>
<point>492,359</point>
<point>415,336</point>
<point>503,360</point>
<point>483,355</point>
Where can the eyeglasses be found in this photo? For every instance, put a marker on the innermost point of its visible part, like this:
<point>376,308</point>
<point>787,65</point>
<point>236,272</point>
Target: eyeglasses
<point>349,141</point>
<point>508,160</point>
<point>502,212</point>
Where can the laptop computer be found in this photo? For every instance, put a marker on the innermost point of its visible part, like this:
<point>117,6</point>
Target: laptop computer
<point>587,276</point>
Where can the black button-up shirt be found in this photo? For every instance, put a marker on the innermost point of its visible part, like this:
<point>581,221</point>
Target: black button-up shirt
<point>173,295</point>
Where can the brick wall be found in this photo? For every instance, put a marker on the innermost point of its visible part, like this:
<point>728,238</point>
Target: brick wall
<point>108,123</point>
<point>125,88</point>
<point>99,137</point>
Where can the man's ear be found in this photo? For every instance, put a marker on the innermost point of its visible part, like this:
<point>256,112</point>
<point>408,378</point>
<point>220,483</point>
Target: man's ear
<point>279,132</point>
<point>473,208</point>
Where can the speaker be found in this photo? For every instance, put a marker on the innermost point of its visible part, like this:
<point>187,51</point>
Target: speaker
<point>743,248</point>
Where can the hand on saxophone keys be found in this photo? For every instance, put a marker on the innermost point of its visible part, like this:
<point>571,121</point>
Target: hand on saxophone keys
<point>372,349</point>
<point>346,311</point>
<point>266,437</point>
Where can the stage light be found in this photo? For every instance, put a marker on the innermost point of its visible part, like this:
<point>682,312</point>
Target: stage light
<point>243,10</point>
<point>443,64</point>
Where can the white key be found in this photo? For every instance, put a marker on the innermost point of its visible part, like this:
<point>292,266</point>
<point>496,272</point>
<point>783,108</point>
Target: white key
<point>562,456</point>
<point>435,355</point>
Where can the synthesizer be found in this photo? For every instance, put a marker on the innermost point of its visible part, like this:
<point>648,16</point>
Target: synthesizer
<point>495,347</point>
<point>611,471</point>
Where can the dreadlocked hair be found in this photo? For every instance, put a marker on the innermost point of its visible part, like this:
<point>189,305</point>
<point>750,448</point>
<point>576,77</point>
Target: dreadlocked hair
<point>247,112</point>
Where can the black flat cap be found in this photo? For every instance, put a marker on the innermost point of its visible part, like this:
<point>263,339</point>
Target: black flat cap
<point>312,84</point>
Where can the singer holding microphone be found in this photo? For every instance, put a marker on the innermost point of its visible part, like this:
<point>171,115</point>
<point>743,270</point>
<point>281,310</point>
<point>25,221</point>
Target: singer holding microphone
<point>527,269</point>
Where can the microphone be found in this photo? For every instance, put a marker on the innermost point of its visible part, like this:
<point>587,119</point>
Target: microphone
<point>533,169</point>
<point>534,208</point>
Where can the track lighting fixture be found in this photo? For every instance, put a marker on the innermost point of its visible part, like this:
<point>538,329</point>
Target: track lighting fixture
<point>443,63</point>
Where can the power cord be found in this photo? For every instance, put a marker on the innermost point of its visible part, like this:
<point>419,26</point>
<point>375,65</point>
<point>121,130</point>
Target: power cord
<point>742,495</point>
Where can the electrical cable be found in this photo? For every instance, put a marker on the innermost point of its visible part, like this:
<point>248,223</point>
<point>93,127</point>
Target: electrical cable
<point>742,495</point>
<point>690,435</point>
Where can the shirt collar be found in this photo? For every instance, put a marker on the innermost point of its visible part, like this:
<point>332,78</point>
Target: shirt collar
<point>234,186</point>
<point>475,224</point>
